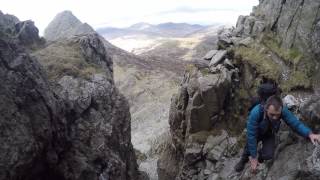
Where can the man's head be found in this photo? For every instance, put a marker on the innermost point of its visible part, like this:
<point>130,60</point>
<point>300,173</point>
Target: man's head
<point>273,107</point>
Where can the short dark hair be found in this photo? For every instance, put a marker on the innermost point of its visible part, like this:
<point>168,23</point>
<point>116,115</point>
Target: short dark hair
<point>274,100</point>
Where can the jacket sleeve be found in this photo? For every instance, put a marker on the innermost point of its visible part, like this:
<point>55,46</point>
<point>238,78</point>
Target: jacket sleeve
<point>252,130</point>
<point>295,123</point>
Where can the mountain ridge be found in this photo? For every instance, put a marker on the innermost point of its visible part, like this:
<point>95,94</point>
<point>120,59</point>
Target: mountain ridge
<point>168,29</point>
<point>59,27</point>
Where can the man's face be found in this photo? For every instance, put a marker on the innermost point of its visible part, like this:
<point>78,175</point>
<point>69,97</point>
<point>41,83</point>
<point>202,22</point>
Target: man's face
<point>273,113</point>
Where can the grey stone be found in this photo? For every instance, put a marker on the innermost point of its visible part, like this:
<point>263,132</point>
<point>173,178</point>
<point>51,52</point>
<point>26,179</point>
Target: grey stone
<point>207,172</point>
<point>248,25</point>
<point>213,176</point>
<point>224,39</point>
<point>193,153</point>
<point>209,86</point>
<point>210,165</point>
<point>213,141</point>
<point>201,64</point>
<point>246,42</point>
<point>216,153</point>
<point>311,109</point>
<point>28,34</point>
<point>222,71</point>
<point>316,39</point>
<point>313,162</point>
<point>218,57</point>
<point>232,148</point>
<point>216,69</point>
<point>210,54</point>
<point>288,158</point>
<point>258,28</point>
<point>240,26</point>
<point>23,33</point>
<point>290,101</point>
<point>228,64</point>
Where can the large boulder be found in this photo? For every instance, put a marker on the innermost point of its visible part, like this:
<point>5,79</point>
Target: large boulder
<point>199,102</point>
<point>194,111</point>
<point>238,31</point>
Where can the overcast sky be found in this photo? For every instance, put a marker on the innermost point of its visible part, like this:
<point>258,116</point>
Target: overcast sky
<point>122,13</point>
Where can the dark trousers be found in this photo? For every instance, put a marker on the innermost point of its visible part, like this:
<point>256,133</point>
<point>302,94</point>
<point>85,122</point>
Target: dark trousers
<point>267,150</point>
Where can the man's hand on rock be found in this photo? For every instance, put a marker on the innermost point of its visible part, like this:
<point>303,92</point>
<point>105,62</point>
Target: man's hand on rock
<point>314,138</point>
<point>253,164</point>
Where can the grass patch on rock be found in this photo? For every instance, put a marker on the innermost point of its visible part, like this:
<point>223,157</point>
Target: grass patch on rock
<point>256,56</point>
<point>61,59</point>
<point>291,56</point>
<point>301,67</point>
<point>297,80</point>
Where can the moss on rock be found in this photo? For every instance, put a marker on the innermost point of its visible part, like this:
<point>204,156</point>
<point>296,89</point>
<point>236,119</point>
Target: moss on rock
<point>297,80</point>
<point>291,56</point>
<point>257,57</point>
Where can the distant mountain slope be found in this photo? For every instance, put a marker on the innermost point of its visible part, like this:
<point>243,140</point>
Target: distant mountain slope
<point>188,48</point>
<point>161,30</point>
<point>177,41</point>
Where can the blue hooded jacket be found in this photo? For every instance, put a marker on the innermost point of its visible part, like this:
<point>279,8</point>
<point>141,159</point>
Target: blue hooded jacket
<point>255,124</point>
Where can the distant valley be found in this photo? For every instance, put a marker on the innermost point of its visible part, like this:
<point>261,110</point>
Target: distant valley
<point>180,41</point>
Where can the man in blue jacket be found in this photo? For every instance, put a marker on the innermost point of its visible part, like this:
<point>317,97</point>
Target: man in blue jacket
<point>263,122</point>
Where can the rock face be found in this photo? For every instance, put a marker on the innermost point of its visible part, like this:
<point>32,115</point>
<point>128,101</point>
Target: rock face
<point>8,22</point>
<point>296,23</point>
<point>286,32</point>
<point>200,99</point>
<point>69,124</point>
<point>194,112</point>
<point>23,33</point>
<point>30,115</point>
<point>101,131</point>
<point>311,110</point>
<point>65,25</point>
<point>274,43</point>
<point>202,147</point>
